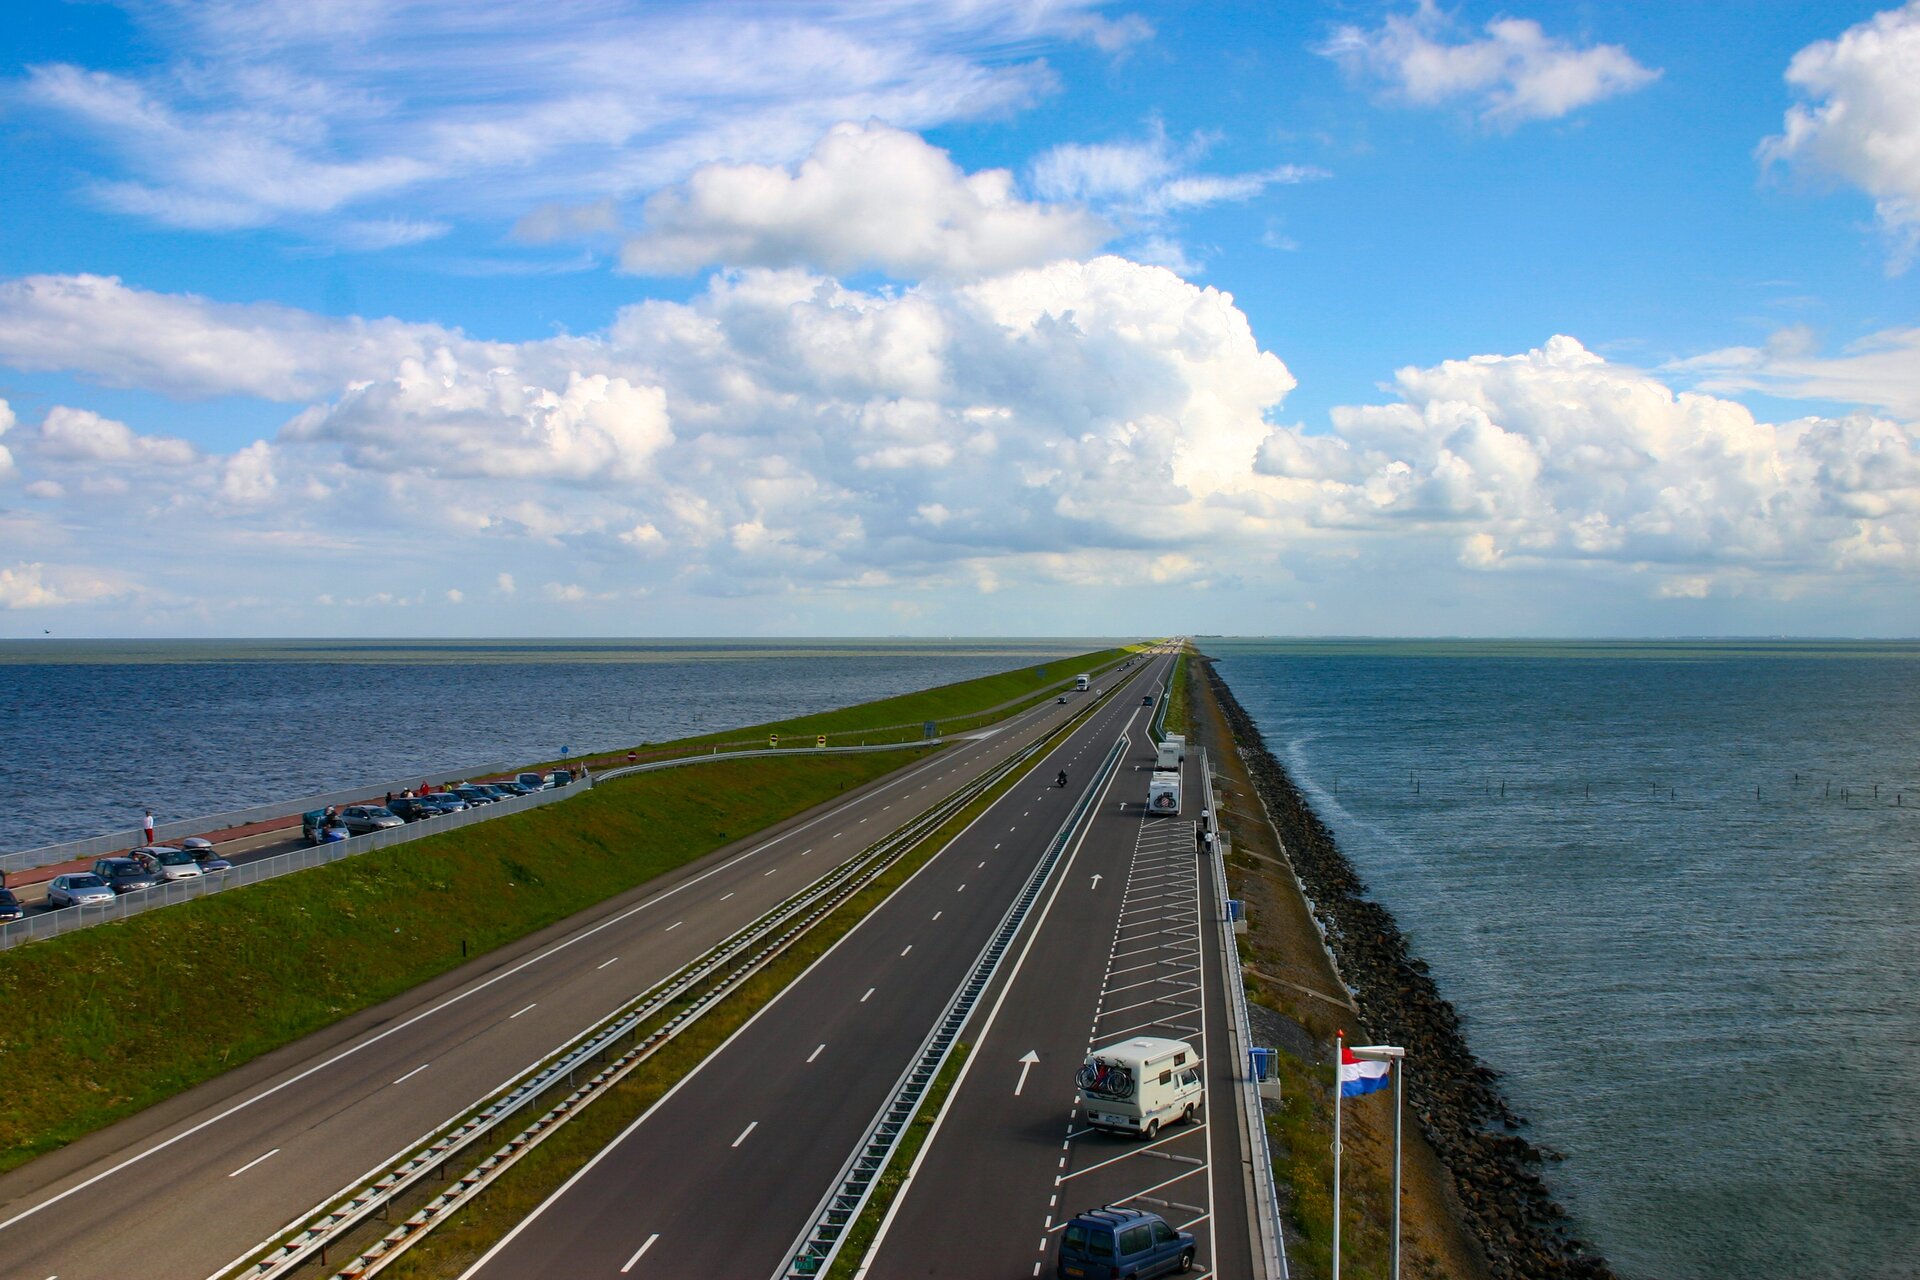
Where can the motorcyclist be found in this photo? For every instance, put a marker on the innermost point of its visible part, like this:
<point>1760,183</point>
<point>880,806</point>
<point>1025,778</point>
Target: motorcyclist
<point>1061,781</point>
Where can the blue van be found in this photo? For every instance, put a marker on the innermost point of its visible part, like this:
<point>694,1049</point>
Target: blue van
<point>1108,1244</point>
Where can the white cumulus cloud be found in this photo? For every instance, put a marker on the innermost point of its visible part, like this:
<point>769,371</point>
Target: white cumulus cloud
<point>868,196</point>
<point>1515,73</point>
<point>1861,122</point>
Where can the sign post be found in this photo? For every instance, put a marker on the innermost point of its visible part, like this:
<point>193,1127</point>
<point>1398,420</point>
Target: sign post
<point>773,739</point>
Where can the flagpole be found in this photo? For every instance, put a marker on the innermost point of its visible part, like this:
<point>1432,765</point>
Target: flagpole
<point>1399,1070</point>
<point>1339,1059</point>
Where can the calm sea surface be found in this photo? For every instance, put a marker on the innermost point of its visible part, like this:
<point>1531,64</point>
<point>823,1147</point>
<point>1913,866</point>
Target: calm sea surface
<point>92,732</point>
<point>1701,977</point>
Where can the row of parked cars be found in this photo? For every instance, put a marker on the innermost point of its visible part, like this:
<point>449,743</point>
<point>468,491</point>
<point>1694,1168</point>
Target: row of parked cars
<point>141,868</point>
<point>324,826</point>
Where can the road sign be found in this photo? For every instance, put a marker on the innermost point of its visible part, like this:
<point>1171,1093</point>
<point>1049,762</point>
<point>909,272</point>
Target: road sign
<point>929,730</point>
<point>820,740</point>
<point>773,739</point>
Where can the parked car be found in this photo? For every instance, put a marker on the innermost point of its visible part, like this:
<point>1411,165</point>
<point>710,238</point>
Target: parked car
<point>124,875</point>
<point>560,777</point>
<point>445,802</point>
<point>10,908</point>
<point>534,781</point>
<point>512,788</point>
<point>203,852</point>
<point>493,789</point>
<point>411,808</point>
<point>166,862</point>
<point>1105,1244</point>
<point>319,827</point>
<point>363,818</point>
<point>78,889</point>
<point>474,795</point>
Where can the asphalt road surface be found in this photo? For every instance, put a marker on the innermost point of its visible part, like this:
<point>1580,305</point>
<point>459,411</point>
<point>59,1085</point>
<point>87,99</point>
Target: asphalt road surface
<point>723,1174</point>
<point>1135,952</point>
<point>180,1190</point>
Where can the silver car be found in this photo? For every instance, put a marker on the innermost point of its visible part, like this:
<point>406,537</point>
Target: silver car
<point>167,862</point>
<point>361,819</point>
<point>78,889</point>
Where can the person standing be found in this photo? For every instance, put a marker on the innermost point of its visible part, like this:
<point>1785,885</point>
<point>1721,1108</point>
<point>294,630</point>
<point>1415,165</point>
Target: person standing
<point>146,828</point>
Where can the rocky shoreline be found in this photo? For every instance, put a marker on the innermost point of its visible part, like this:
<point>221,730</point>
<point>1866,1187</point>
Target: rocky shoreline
<point>1454,1096</point>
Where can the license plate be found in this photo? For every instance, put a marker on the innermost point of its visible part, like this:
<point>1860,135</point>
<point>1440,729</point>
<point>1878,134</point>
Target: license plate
<point>1073,1271</point>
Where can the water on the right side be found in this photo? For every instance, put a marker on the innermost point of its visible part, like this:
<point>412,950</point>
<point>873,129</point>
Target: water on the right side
<point>1687,932</point>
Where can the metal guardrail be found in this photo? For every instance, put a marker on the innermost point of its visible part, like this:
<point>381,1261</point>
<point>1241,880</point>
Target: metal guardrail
<point>133,838</point>
<point>1269,1240</point>
<point>784,925</point>
<point>813,1253</point>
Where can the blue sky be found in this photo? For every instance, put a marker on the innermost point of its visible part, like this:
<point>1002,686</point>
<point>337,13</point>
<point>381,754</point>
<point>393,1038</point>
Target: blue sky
<point>830,318</point>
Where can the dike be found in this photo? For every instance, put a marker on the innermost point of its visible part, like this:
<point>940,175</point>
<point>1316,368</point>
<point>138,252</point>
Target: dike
<point>1453,1095</point>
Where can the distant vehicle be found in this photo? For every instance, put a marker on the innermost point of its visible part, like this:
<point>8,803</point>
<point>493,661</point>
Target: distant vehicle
<point>1138,1084</point>
<point>1081,682</point>
<point>560,777</point>
<point>318,828</point>
<point>124,875</point>
<point>202,851</point>
<point>1062,699</point>
<point>1147,701</point>
<point>10,908</point>
<point>78,889</point>
<point>1106,1244</point>
<point>492,789</point>
<point>513,788</point>
<point>445,802</point>
<point>534,781</point>
<point>363,818</point>
<point>1168,755</point>
<point>474,795</point>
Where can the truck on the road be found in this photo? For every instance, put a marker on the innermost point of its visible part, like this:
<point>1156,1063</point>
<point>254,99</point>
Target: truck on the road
<point>1139,1084</point>
<point>1163,794</point>
<point>1082,682</point>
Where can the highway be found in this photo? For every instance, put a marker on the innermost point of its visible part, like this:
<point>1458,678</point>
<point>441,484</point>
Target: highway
<point>196,1181</point>
<point>1130,953</point>
<point>724,1173</point>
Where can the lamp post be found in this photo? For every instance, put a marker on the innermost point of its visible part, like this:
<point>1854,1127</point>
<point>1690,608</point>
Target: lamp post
<point>1395,1056</point>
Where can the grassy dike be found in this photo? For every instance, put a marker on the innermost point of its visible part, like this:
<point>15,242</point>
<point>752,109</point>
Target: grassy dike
<point>105,1021</point>
<point>955,708</point>
<point>450,1249</point>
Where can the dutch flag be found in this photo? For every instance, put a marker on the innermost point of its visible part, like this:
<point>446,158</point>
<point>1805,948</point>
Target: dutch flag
<point>1360,1075</point>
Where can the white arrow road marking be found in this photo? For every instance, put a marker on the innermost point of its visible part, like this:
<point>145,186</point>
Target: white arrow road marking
<point>1096,880</point>
<point>1026,1065</point>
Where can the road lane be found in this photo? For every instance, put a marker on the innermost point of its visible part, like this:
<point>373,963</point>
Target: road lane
<point>329,1103</point>
<point>723,1212</point>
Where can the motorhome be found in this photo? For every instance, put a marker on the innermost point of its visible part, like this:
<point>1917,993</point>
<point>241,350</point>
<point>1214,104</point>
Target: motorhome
<point>1163,794</point>
<point>1179,740</point>
<point>1082,682</point>
<point>1169,754</point>
<point>1141,1083</point>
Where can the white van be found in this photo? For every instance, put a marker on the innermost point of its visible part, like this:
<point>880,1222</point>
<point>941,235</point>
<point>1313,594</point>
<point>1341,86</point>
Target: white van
<point>1081,682</point>
<point>1137,1085</point>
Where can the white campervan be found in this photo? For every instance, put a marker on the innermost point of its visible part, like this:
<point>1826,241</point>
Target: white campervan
<point>1137,1085</point>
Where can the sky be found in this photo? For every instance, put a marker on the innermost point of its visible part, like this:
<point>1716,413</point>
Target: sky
<point>979,317</point>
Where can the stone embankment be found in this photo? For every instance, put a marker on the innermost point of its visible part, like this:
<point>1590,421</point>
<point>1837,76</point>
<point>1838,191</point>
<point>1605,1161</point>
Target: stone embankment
<point>1455,1097</point>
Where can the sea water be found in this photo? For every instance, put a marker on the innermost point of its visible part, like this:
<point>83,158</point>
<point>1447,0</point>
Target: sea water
<point>1674,891</point>
<point>92,733</point>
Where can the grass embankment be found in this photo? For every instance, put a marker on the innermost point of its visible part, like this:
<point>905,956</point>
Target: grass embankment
<point>1288,973</point>
<point>105,1021</point>
<point>954,708</point>
<point>450,1249</point>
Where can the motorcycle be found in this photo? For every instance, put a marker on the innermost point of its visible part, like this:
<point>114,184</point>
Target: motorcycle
<point>1061,781</point>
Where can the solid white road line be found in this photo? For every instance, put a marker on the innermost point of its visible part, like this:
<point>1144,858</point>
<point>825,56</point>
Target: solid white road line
<point>744,1132</point>
<point>640,1253</point>
<point>411,1074</point>
<point>249,1164</point>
